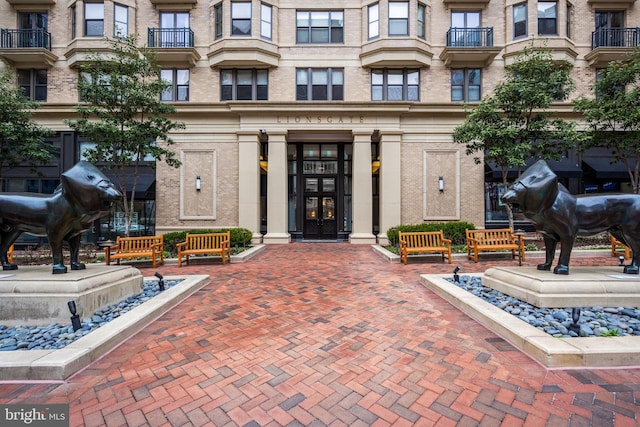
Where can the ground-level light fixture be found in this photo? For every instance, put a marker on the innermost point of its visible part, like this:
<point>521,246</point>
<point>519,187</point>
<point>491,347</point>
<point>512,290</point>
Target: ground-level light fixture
<point>160,280</point>
<point>621,259</point>
<point>75,319</point>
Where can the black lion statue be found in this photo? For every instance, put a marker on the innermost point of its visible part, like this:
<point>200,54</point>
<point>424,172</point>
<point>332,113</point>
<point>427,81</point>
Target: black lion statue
<point>560,216</point>
<point>84,195</point>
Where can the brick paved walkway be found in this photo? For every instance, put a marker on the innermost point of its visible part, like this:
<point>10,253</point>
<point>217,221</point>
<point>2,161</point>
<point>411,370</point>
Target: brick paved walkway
<point>329,334</point>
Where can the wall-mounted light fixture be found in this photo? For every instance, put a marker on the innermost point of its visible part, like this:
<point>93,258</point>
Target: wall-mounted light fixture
<point>375,165</point>
<point>198,183</point>
<point>441,184</point>
<point>264,165</point>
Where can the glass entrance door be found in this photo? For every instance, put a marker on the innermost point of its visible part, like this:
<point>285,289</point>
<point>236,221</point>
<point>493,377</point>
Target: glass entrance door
<point>320,207</point>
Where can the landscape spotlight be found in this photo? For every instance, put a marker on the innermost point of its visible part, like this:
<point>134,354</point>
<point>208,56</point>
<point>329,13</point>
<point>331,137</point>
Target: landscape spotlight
<point>456,278</point>
<point>621,259</point>
<point>160,280</point>
<point>75,319</point>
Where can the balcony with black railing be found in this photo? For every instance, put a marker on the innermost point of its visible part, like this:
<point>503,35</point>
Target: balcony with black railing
<point>612,44</point>
<point>30,47</point>
<point>173,45</point>
<point>469,47</point>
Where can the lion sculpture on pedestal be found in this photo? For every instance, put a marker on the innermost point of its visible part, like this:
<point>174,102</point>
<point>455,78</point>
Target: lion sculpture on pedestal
<point>560,216</point>
<point>84,195</point>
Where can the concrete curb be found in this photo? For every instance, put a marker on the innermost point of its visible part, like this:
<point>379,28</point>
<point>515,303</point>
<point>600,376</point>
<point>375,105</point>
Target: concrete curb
<point>551,352</point>
<point>60,364</point>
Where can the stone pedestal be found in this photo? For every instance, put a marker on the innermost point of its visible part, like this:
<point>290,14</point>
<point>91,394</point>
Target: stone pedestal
<point>583,287</point>
<point>32,295</point>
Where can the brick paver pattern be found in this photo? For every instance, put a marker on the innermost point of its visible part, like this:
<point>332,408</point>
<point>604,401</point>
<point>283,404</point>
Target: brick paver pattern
<point>329,334</point>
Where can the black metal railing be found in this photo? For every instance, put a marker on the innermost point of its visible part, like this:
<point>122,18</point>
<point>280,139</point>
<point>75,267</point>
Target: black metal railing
<point>470,37</point>
<point>16,39</point>
<point>615,37</point>
<point>170,37</point>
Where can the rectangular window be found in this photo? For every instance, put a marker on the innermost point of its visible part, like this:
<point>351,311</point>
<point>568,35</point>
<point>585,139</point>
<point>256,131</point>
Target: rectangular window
<point>422,28</point>
<point>240,18</point>
<point>265,21</point>
<point>398,18</point>
<point>179,81</point>
<point>319,27</point>
<point>173,33</point>
<point>35,26</point>
<point>33,84</point>
<point>72,12</point>
<point>465,29</point>
<point>547,18</point>
<point>609,32</point>
<point>466,84</point>
<point>374,21</point>
<point>319,84</point>
<point>86,93</point>
<point>244,85</point>
<point>94,19</point>
<point>217,26</point>
<point>395,85</point>
<point>520,20</point>
<point>120,21</point>
<point>569,12</point>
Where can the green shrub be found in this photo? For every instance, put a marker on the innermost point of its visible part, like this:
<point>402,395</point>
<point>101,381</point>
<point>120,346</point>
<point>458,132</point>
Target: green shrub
<point>454,230</point>
<point>240,237</point>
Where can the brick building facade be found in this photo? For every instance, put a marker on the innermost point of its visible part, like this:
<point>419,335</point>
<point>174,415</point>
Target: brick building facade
<point>313,121</point>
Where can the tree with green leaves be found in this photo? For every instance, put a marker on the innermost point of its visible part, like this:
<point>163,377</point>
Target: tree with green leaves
<point>122,114</point>
<point>516,123</point>
<point>21,139</point>
<point>613,114</point>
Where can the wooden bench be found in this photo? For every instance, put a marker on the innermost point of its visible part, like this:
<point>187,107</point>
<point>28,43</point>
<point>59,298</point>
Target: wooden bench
<point>136,247</point>
<point>617,245</point>
<point>423,242</point>
<point>205,244</point>
<point>494,240</point>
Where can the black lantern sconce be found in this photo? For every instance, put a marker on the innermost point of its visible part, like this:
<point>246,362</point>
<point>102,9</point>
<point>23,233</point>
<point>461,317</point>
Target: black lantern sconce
<point>441,184</point>
<point>198,183</point>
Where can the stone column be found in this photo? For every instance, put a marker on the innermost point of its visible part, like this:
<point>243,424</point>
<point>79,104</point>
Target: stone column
<point>277,190</point>
<point>249,183</point>
<point>390,183</point>
<point>362,230</point>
